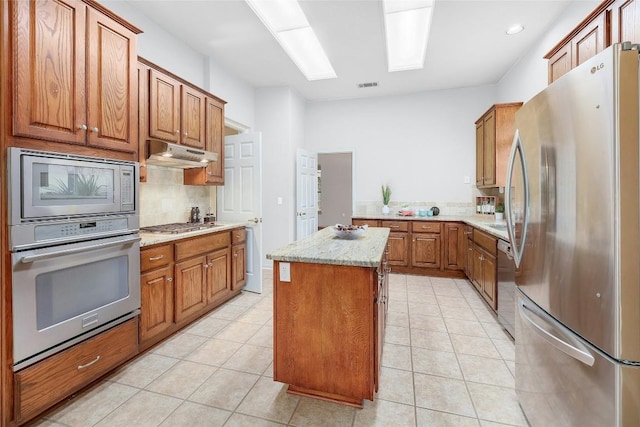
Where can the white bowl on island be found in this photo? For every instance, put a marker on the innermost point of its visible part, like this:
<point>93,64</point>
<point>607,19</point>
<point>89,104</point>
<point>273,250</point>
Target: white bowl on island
<point>349,231</point>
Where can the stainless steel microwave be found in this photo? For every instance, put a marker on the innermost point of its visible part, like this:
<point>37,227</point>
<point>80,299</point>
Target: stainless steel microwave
<point>47,187</point>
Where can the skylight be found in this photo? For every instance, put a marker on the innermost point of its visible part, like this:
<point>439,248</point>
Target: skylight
<point>407,24</point>
<point>288,24</point>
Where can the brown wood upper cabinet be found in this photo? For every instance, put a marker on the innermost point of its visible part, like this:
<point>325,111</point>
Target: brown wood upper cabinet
<point>494,135</point>
<point>174,110</point>
<point>613,21</point>
<point>74,74</point>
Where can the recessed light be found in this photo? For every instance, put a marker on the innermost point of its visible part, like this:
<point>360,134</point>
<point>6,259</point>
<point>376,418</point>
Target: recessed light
<point>514,29</point>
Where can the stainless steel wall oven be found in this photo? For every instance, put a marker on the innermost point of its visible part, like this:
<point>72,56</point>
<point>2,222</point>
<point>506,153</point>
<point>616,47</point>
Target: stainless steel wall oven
<point>73,234</point>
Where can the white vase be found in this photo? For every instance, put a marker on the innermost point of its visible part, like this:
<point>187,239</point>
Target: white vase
<point>385,210</point>
<point>499,216</point>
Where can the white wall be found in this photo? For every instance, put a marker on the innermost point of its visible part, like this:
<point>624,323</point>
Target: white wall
<point>160,47</point>
<point>279,116</point>
<point>528,76</point>
<point>422,145</point>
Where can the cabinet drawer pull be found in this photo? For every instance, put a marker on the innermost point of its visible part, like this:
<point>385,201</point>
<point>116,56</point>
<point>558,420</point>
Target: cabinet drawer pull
<point>156,258</point>
<point>89,364</point>
<point>395,226</point>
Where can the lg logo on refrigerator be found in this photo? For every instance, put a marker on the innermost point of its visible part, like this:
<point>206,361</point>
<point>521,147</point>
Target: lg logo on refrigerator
<point>597,68</point>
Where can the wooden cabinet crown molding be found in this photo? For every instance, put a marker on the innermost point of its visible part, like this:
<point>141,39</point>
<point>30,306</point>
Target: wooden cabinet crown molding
<point>581,26</point>
<point>180,79</point>
<point>99,7</point>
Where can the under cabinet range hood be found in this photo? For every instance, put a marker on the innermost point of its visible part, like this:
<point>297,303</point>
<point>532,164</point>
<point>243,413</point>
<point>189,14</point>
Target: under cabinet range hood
<point>163,153</point>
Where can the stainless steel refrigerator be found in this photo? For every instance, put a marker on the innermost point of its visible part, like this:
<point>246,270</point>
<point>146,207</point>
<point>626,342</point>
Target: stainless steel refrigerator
<point>573,215</point>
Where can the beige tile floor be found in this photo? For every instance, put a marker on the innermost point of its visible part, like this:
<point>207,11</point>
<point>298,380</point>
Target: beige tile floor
<point>446,362</point>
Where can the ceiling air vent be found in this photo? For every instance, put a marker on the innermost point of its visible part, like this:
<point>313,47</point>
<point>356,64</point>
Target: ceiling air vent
<point>370,84</point>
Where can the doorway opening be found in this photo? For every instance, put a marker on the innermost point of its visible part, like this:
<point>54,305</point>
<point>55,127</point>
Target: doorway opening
<point>336,188</point>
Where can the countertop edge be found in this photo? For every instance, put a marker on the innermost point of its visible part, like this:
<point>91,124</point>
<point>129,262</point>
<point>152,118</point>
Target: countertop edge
<point>150,239</point>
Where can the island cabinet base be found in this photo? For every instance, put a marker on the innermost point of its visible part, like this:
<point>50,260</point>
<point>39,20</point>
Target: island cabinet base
<point>326,330</point>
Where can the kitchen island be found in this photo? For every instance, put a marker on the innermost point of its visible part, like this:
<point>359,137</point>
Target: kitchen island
<point>330,303</point>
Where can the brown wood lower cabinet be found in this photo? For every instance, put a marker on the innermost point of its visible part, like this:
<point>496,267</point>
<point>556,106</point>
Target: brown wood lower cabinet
<point>185,279</point>
<point>425,250</point>
<point>421,246</point>
<point>484,273</point>
<point>191,283</point>
<point>156,312</point>
<point>239,257</point>
<point>218,275</point>
<point>44,384</point>
<point>329,330</point>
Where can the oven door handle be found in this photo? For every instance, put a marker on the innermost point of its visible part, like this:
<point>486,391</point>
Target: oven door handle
<point>39,257</point>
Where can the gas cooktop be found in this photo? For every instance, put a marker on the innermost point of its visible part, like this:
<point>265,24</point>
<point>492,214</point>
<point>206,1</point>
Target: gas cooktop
<point>178,227</point>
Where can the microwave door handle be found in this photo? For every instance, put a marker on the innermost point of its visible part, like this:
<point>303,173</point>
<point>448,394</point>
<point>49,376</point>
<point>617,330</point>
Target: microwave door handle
<point>39,257</point>
<point>581,354</point>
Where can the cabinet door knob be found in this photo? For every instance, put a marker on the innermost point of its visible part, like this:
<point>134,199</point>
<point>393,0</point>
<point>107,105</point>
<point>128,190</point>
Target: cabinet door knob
<point>186,134</point>
<point>169,279</point>
<point>235,255</point>
<point>177,131</point>
<point>94,130</point>
<point>82,127</point>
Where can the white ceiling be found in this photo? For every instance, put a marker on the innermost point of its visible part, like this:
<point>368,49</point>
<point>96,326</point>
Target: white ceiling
<point>467,45</point>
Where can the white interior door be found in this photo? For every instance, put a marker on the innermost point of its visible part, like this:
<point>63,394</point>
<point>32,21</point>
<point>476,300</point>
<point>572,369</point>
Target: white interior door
<point>306,193</point>
<point>240,200</point>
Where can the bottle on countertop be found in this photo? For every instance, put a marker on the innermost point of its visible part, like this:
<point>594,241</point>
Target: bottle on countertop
<point>195,215</point>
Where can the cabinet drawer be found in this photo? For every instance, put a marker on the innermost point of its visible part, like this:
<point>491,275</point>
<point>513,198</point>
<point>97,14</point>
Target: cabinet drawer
<point>238,236</point>
<point>46,383</point>
<point>155,257</point>
<point>396,225</point>
<point>485,240</point>
<point>425,227</point>
<point>200,245</point>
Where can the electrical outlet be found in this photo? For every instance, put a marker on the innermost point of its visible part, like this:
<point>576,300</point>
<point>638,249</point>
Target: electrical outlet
<point>467,179</point>
<point>285,272</point>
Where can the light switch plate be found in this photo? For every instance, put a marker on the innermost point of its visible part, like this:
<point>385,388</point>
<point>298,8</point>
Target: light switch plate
<point>285,272</point>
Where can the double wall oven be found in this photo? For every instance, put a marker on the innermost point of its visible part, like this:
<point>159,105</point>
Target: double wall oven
<point>73,234</point>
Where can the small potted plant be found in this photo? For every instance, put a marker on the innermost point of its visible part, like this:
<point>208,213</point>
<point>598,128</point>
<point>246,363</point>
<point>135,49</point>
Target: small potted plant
<point>386,197</point>
<point>500,211</point>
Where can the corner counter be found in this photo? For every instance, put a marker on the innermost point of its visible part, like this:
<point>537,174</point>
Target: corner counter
<point>483,222</point>
<point>330,308</point>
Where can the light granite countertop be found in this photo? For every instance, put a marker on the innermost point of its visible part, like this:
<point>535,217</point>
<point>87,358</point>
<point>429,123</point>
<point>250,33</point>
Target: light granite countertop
<point>148,239</point>
<point>323,247</point>
<point>485,223</point>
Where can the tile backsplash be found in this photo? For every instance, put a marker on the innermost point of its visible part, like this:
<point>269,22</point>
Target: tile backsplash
<point>165,199</point>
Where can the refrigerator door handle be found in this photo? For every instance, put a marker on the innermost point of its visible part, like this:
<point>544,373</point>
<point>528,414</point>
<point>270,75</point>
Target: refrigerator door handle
<point>582,354</point>
<point>517,151</point>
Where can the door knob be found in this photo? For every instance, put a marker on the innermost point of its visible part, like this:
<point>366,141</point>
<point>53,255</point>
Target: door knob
<point>256,220</point>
